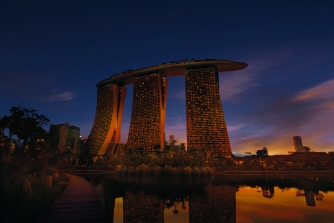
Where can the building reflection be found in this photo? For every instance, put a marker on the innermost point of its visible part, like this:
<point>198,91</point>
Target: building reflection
<point>309,197</point>
<point>267,191</point>
<point>140,207</point>
<point>218,205</point>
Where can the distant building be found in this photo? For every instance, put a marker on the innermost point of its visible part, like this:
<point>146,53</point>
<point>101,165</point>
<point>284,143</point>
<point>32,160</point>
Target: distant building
<point>73,138</point>
<point>172,141</point>
<point>64,138</point>
<point>297,141</point>
<point>309,197</point>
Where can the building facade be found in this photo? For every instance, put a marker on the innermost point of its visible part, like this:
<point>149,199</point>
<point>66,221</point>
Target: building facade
<point>206,127</point>
<point>148,113</point>
<point>64,138</point>
<point>297,141</point>
<point>108,119</point>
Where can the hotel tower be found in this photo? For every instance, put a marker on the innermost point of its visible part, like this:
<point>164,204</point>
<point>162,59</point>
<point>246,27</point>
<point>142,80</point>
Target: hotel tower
<point>206,127</point>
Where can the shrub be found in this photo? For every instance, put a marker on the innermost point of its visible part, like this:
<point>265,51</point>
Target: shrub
<point>203,171</point>
<point>125,170</point>
<point>187,171</point>
<point>139,170</point>
<point>196,171</point>
<point>146,170</point>
<point>119,170</point>
<point>19,188</point>
<point>209,171</point>
<point>131,171</point>
<point>168,170</point>
<point>156,170</point>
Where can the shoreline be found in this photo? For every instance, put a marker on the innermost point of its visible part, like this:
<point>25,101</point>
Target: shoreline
<point>230,172</point>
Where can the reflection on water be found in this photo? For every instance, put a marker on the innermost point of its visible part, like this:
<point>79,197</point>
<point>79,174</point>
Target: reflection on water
<point>232,199</point>
<point>217,205</point>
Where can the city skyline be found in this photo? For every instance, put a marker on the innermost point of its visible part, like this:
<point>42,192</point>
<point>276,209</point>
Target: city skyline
<point>54,53</point>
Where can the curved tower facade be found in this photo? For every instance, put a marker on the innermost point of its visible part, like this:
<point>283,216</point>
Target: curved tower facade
<point>147,124</point>
<point>206,127</point>
<point>108,118</point>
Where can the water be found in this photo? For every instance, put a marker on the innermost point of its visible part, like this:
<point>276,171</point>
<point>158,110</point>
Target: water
<point>222,199</point>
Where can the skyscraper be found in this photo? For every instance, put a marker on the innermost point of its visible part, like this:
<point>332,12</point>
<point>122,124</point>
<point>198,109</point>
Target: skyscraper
<point>73,138</point>
<point>206,127</point>
<point>171,141</point>
<point>148,112</point>
<point>108,118</point>
<point>297,141</point>
<point>64,138</point>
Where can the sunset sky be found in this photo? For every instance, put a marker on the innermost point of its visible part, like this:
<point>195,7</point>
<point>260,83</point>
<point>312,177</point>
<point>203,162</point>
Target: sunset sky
<point>52,54</point>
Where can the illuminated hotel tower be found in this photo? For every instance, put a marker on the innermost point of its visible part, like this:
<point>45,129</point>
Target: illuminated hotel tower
<point>148,112</point>
<point>108,118</point>
<point>206,127</point>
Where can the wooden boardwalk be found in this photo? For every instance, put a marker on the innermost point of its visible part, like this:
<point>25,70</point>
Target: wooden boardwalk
<point>78,203</point>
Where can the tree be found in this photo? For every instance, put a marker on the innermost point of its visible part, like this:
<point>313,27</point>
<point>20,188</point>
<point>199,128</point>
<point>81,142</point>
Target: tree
<point>24,128</point>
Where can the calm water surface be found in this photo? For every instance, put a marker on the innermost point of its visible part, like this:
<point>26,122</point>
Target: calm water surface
<point>223,199</point>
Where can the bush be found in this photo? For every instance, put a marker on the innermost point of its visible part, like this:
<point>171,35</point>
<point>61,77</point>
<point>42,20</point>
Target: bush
<point>209,171</point>
<point>20,187</point>
<point>139,170</point>
<point>146,170</point>
<point>131,171</point>
<point>24,200</point>
<point>196,171</point>
<point>125,170</point>
<point>168,170</point>
<point>156,170</point>
<point>187,171</point>
<point>119,170</point>
<point>203,171</point>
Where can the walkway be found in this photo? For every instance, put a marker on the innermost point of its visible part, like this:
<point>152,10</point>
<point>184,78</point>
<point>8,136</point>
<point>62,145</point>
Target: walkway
<point>78,203</point>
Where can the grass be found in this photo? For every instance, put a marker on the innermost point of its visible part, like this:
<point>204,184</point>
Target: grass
<point>18,208</point>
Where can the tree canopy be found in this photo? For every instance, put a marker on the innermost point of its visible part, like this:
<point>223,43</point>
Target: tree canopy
<point>23,129</point>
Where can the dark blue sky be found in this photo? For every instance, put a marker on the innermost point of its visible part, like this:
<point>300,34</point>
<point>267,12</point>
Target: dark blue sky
<point>52,53</point>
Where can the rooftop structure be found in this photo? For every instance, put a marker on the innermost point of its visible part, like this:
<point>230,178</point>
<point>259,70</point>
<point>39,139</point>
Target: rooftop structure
<point>173,68</point>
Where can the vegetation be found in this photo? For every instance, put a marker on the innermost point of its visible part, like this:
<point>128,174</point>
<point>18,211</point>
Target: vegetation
<point>26,164</point>
<point>167,163</point>
<point>23,198</point>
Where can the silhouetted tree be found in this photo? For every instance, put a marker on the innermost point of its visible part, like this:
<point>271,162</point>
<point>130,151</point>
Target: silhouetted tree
<point>23,133</point>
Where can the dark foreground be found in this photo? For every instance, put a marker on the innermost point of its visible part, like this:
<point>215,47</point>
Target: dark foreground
<point>78,203</point>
